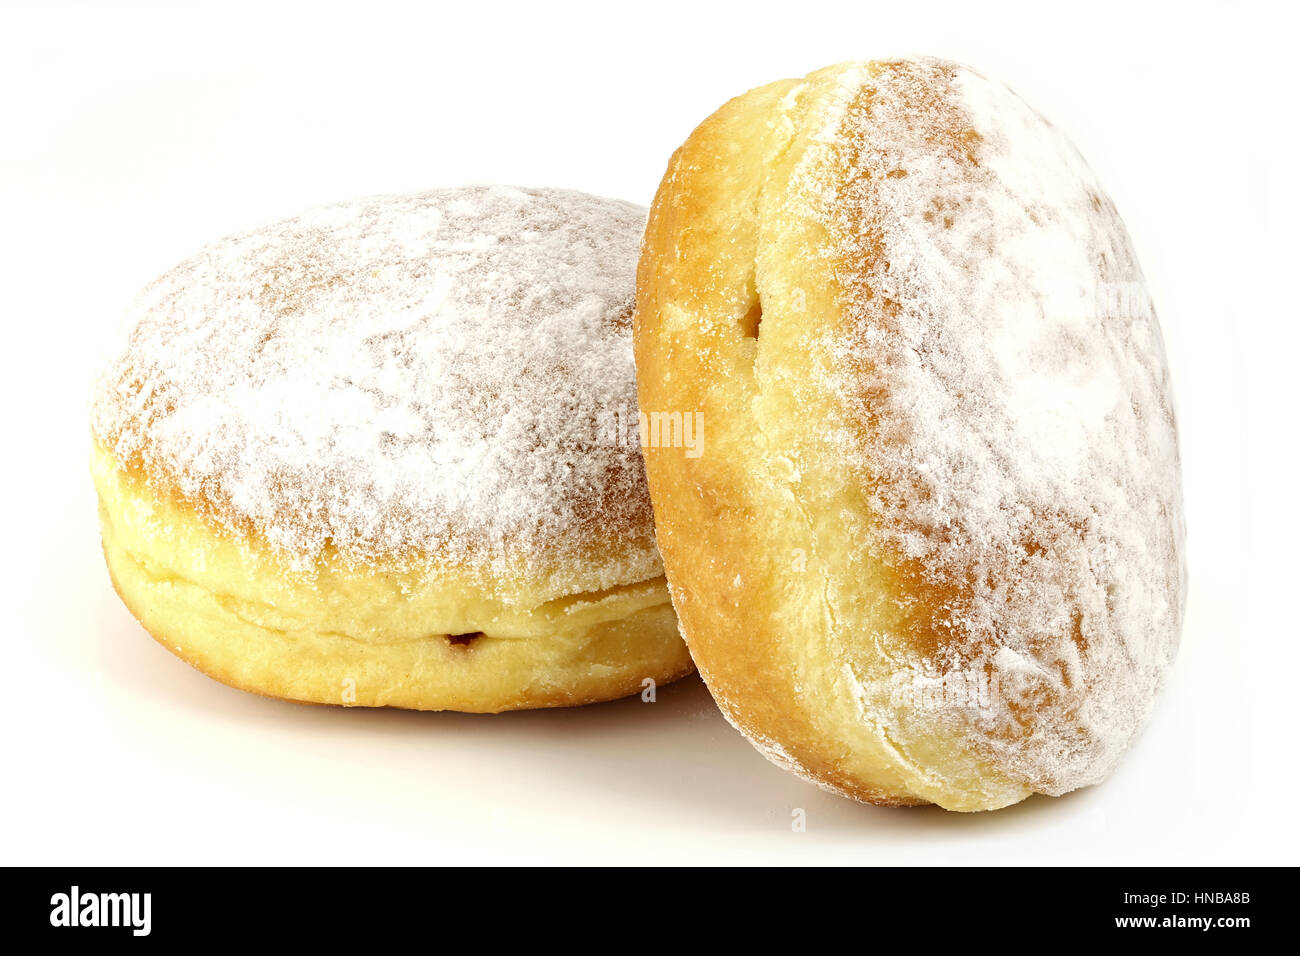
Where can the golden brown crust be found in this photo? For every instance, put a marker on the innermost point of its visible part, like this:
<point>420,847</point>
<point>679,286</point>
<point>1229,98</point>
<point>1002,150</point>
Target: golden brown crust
<point>698,265</point>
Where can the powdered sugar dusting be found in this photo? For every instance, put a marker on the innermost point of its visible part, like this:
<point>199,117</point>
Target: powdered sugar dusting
<point>1021,463</point>
<point>401,379</point>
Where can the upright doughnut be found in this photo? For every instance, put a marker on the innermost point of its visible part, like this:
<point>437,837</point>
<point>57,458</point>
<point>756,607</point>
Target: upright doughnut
<point>932,551</point>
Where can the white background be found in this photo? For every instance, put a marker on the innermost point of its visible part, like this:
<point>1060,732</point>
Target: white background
<point>130,135</point>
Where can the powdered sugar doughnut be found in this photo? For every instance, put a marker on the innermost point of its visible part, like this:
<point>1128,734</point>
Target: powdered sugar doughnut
<point>933,551</point>
<point>358,457</point>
